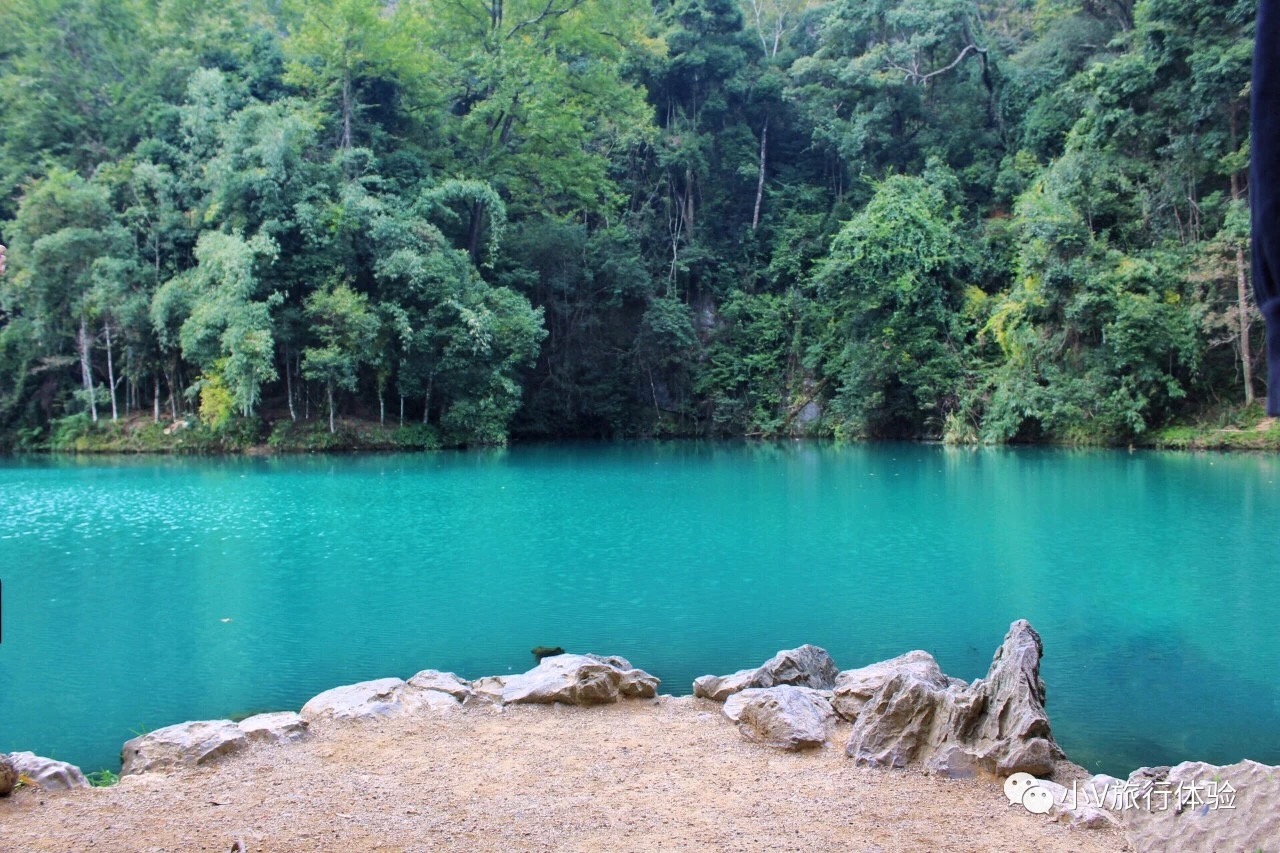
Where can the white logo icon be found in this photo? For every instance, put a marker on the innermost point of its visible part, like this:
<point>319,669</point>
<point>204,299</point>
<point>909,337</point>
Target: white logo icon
<point>1016,785</point>
<point>1024,788</point>
<point>1038,800</point>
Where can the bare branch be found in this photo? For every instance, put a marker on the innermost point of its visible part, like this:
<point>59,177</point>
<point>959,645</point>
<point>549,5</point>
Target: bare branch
<point>549,12</point>
<point>914,76</point>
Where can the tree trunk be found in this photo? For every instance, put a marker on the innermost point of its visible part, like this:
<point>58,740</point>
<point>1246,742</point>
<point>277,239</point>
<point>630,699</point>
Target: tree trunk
<point>155,402</point>
<point>329,388</point>
<point>688,200</point>
<point>764,148</point>
<point>401,410</point>
<point>382,409</point>
<point>1242,305</point>
<point>111,372</point>
<point>173,402</point>
<point>86,372</point>
<point>475,231</point>
<point>1242,295</point>
<point>288,386</point>
<point>426,402</point>
<point>346,115</point>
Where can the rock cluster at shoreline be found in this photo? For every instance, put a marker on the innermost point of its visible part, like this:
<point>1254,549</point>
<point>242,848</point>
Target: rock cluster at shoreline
<point>903,712</point>
<point>567,679</point>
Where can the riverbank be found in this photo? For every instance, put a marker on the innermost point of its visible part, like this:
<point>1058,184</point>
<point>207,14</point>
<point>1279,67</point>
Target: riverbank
<point>1243,433</point>
<point>668,773</point>
<point>1242,429</point>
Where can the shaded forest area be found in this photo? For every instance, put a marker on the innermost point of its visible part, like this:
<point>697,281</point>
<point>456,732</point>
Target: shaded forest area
<point>463,220</point>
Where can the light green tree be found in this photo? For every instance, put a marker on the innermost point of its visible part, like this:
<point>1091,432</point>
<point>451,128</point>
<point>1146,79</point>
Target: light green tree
<point>346,329</point>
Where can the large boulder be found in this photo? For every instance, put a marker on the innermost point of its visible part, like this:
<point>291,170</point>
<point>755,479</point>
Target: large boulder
<point>1201,808</point>
<point>855,687</point>
<point>578,680</point>
<point>8,776</point>
<point>376,699</point>
<point>49,774</point>
<point>786,716</point>
<point>383,698</point>
<point>806,666</point>
<point>278,727</point>
<point>181,745</point>
<point>906,710</point>
<point>896,725</point>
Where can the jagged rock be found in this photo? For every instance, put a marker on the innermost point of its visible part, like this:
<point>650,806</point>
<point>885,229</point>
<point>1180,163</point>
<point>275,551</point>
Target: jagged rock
<point>184,744</point>
<point>806,666</point>
<point>854,687</point>
<point>46,772</point>
<point>906,710</point>
<point>786,717</point>
<point>8,776</point>
<point>1009,721</point>
<point>444,682</point>
<point>279,727</point>
<point>577,680</point>
<point>1192,811</point>
<point>896,724</point>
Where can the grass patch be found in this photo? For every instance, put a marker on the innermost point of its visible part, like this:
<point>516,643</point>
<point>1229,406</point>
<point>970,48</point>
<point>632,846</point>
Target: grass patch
<point>1229,428</point>
<point>103,778</point>
<point>140,434</point>
<point>349,434</point>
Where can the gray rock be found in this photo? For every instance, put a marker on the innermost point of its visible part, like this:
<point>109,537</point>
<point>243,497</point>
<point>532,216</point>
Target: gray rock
<point>1191,809</point>
<point>721,687</point>
<point>47,773</point>
<point>786,717</point>
<point>577,680</point>
<point>896,725</point>
<point>181,745</point>
<point>806,666</point>
<point>1007,721</point>
<point>616,661</point>
<point>8,776</point>
<point>444,682</point>
<point>279,727</point>
<point>854,687</point>
<point>380,698</point>
<point>955,762</point>
<point>907,710</point>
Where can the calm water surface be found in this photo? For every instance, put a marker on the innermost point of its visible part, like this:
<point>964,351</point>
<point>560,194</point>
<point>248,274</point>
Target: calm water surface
<point>139,593</point>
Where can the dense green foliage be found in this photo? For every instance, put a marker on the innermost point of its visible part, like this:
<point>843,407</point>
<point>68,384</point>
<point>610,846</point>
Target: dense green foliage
<point>984,220</point>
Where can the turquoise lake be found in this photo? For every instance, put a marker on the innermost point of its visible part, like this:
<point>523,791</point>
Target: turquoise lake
<point>143,592</point>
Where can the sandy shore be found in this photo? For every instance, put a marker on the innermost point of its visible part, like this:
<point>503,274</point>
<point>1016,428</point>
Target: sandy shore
<point>666,774</point>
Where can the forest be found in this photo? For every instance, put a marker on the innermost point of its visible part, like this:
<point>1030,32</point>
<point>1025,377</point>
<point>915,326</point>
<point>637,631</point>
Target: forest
<point>465,221</point>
